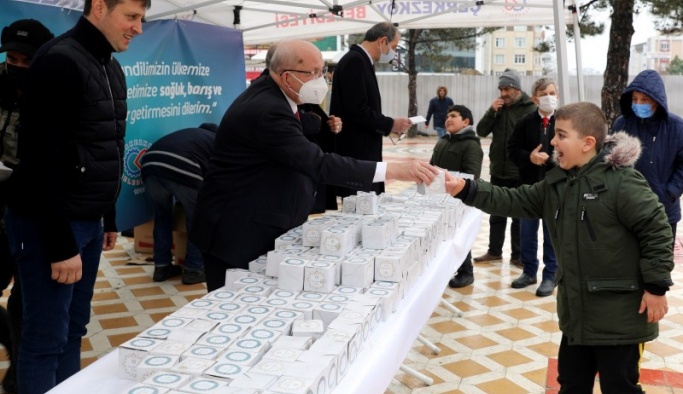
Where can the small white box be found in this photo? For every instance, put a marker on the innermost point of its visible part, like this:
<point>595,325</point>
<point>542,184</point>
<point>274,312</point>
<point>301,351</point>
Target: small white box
<point>247,320</point>
<point>337,298</point>
<point>283,354</point>
<point>305,307</point>
<point>193,366</point>
<point>357,272</point>
<point>296,343</point>
<point>311,296</point>
<point>231,275</point>
<point>366,203</point>
<point>319,277</point>
<point>258,289</point>
<point>250,345</point>
<point>290,273</point>
<point>281,325</point>
<point>183,335</point>
<point>287,294</point>
<point>202,351</point>
<point>258,266</point>
<point>337,349</point>
<point>245,281</point>
<point>202,303</point>
<point>269,367</point>
<point>274,302</point>
<point>217,340</point>
<point>337,241</point>
<point>308,328</point>
<point>285,240</point>
<point>216,316</point>
<point>231,329</point>
<point>349,204</point>
<point>173,323</point>
<point>144,388</point>
<point>437,186</point>
<point>204,385</point>
<point>326,312</point>
<point>153,364</point>
<point>170,348</point>
<point>275,257</point>
<point>229,307</point>
<point>200,325</point>
<point>168,380</point>
<point>239,357</point>
<point>288,314</point>
<point>377,235</point>
<point>132,352</point>
<point>292,385</point>
<point>348,290</point>
<point>389,267</point>
<point>322,368</point>
<point>257,381</point>
<point>225,370</point>
<point>155,333</point>
<point>263,334</point>
<point>186,312</point>
<point>312,230</point>
<point>249,299</point>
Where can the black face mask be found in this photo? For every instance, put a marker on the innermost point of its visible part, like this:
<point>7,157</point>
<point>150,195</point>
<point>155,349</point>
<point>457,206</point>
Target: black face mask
<point>17,75</point>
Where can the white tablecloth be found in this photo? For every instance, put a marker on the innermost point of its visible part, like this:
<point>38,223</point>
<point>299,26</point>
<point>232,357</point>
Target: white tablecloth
<point>382,354</point>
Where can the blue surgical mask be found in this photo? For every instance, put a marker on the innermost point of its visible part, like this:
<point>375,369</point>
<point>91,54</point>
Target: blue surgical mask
<point>642,110</point>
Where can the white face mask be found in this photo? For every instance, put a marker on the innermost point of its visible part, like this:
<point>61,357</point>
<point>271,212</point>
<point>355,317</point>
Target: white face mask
<point>313,91</point>
<point>547,103</point>
<point>386,57</point>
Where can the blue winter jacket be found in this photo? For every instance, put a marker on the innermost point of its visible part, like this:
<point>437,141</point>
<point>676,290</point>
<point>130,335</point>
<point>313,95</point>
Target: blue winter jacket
<point>661,137</point>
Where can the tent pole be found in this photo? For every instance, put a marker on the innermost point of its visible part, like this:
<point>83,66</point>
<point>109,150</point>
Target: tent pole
<point>577,48</point>
<point>561,50</point>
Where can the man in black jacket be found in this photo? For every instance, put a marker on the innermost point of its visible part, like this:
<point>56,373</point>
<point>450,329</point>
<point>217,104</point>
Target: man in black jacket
<point>61,208</point>
<point>530,149</point>
<point>173,169</point>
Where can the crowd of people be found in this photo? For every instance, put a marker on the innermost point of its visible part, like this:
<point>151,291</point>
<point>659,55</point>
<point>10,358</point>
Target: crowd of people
<point>608,204</point>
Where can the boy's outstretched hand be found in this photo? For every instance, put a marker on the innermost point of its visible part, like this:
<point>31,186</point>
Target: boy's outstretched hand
<point>656,307</point>
<point>454,185</point>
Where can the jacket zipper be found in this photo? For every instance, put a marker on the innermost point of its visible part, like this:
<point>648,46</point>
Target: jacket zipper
<point>584,217</point>
<point>654,138</point>
<point>118,153</point>
<point>557,215</point>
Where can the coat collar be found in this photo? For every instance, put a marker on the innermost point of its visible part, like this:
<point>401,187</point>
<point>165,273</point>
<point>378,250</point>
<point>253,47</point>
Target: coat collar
<point>92,40</point>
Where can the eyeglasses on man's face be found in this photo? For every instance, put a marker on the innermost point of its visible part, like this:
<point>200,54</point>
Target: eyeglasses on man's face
<point>316,74</point>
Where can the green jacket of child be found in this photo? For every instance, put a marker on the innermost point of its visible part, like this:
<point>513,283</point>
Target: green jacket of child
<point>611,236</point>
<point>459,152</point>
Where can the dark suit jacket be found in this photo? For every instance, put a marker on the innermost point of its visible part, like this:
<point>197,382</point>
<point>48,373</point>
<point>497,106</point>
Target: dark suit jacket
<point>262,177</point>
<point>356,99</point>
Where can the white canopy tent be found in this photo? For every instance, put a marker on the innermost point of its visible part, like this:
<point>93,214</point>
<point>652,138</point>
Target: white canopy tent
<point>266,21</point>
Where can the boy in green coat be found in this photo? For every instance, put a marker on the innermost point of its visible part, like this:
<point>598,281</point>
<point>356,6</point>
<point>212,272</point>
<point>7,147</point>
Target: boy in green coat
<point>460,150</point>
<point>613,244</point>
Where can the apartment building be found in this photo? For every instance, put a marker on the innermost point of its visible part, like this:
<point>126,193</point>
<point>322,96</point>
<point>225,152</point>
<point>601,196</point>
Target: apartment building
<point>656,53</point>
<point>513,47</point>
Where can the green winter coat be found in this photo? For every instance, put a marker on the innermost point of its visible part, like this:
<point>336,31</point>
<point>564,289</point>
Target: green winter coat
<point>459,152</point>
<point>501,123</point>
<point>611,236</point>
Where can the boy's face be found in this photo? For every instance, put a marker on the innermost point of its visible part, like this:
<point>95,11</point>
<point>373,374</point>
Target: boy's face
<point>455,122</point>
<point>571,149</point>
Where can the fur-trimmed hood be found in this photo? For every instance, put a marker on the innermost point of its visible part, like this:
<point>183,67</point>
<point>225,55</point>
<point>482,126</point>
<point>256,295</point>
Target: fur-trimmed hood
<point>621,150</point>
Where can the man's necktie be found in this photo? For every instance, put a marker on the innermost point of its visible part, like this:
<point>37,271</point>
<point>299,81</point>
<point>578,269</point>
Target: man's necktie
<point>545,123</point>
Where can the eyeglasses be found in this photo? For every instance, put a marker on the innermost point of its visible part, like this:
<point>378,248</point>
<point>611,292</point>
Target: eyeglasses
<point>402,136</point>
<point>309,73</point>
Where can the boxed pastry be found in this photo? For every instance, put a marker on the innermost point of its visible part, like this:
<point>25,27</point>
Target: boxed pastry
<point>308,328</point>
<point>337,240</point>
<point>319,277</point>
<point>193,366</point>
<point>349,204</point>
<point>357,272</point>
<point>286,240</point>
<point>131,353</point>
<point>366,203</point>
<point>168,380</point>
<point>290,273</point>
<point>313,229</point>
<point>377,234</point>
<point>204,385</point>
<point>153,364</point>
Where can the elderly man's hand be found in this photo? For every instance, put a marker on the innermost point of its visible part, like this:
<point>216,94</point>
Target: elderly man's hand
<point>412,171</point>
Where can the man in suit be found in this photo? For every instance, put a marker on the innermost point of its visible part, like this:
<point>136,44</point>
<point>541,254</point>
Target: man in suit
<point>263,174</point>
<point>356,99</point>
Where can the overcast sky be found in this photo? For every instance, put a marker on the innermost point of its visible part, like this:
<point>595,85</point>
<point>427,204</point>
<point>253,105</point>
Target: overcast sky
<point>594,49</point>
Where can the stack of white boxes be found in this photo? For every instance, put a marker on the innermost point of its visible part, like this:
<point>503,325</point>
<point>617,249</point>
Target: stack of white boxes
<point>299,317</point>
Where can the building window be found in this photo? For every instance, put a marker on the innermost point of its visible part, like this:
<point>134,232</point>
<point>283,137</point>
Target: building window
<point>500,59</point>
<point>520,42</point>
<point>520,59</point>
<point>500,42</point>
<point>664,46</point>
<point>521,28</point>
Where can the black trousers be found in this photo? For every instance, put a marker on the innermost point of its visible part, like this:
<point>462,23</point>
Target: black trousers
<point>497,225</point>
<point>618,367</point>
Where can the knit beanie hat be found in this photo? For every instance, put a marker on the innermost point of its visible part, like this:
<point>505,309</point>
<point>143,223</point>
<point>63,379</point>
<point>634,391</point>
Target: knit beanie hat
<point>509,78</point>
<point>24,36</point>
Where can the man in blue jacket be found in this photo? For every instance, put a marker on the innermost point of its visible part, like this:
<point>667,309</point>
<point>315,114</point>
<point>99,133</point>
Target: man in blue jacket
<point>173,169</point>
<point>645,115</point>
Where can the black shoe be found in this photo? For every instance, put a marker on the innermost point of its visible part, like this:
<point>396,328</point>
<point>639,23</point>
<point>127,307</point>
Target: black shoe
<point>461,280</point>
<point>167,271</point>
<point>9,382</point>
<point>193,277</point>
<point>546,288</point>
<point>523,281</point>
<point>517,263</point>
<point>486,257</point>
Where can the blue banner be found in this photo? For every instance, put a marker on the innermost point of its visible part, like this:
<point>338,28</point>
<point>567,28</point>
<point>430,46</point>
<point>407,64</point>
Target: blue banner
<point>179,74</point>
